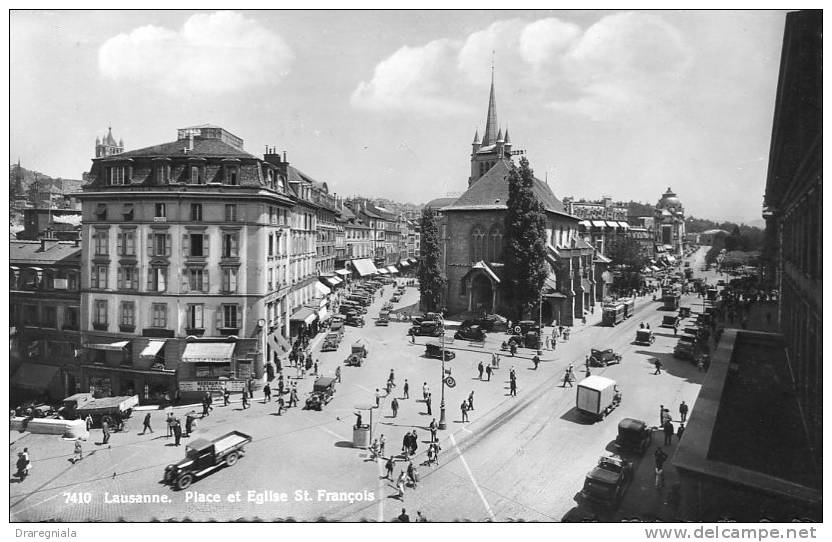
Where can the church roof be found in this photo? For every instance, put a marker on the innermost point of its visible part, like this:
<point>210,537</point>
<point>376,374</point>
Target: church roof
<point>109,139</point>
<point>439,203</point>
<point>491,192</point>
<point>490,135</point>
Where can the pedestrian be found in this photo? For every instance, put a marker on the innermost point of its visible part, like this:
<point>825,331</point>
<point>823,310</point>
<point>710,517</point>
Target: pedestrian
<point>428,403</point>
<point>267,393</point>
<point>658,364</point>
<point>389,466</point>
<point>512,348</point>
<point>293,397</point>
<point>88,421</point>
<point>683,411</point>
<point>338,374</point>
<point>493,359</point>
<point>177,432</point>
<point>105,430</point>
<point>668,433</point>
<point>406,390</point>
<point>251,388</point>
<point>659,477</point>
<point>412,474</point>
<point>536,361</point>
<point>23,464</point>
<point>425,391</point>
<point>378,398</point>
<point>660,456</point>
<point>588,371</point>
<point>471,401</point>
<point>675,329</point>
<point>400,485</point>
<point>245,400</point>
<point>406,444</point>
<point>498,361</point>
<point>403,517</point>
<point>436,450</point>
<point>189,421</point>
<point>513,388</point>
<point>512,374</point>
<point>480,369</point>
<point>488,372</point>
<point>641,325</point>
<point>280,404</point>
<point>414,442</point>
<point>661,415</point>
<point>680,431</point>
<point>381,442</point>
<point>394,405</point>
<point>225,396</point>
<point>392,377</point>
<point>146,424</point>
<point>567,377</point>
<point>666,416</point>
<point>204,406</point>
<point>79,452</point>
<point>433,427</point>
<point>464,409</point>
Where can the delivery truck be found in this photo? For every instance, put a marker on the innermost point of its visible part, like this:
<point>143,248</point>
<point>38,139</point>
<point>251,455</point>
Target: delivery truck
<point>597,396</point>
<point>82,405</point>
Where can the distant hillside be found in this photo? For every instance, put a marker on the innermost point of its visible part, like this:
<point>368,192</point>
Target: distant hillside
<point>28,177</point>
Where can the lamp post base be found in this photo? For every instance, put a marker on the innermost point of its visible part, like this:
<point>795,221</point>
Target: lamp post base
<point>442,424</point>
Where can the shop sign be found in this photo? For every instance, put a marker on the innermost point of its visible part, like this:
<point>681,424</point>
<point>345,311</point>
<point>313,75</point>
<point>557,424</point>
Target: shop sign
<point>212,385</point>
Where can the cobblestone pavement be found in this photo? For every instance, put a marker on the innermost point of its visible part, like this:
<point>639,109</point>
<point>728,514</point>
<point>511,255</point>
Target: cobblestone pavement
<point>521,457</point>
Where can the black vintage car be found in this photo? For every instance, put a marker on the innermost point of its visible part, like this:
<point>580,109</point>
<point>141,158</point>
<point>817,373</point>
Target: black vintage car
<point>601,357</point>
<point>353,319</point>
<point>434,350</point>
<point>606,483</point>
<point>633,436</point>
<point>429,328</point>
<point>470,333</point>
<point>645,337</point>
<point>203,456</point>
<point>523,326</point>
<point>322,392</point>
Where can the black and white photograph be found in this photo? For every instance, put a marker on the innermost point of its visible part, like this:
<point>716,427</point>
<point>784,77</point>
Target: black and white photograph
<point>421,265</point>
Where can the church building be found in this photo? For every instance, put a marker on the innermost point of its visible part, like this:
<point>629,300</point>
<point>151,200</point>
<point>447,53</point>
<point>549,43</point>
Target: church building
<point>472,229</point>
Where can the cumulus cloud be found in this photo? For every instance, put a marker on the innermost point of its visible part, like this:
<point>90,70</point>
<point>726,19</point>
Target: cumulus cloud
<point>616,65</point>
<point>212,53</point>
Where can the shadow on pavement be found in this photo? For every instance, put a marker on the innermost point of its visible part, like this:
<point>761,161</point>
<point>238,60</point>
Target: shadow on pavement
<point>574,416</point>
<point>344,444</point>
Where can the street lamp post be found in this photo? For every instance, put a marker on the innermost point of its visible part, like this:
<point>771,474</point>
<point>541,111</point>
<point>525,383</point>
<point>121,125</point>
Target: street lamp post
<point>540,324</point>
<point>442,423</point>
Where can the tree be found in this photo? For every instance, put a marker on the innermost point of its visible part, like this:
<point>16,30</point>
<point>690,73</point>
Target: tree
<point>626,252</point>
<point>431,280</point>
<point>525,241</point>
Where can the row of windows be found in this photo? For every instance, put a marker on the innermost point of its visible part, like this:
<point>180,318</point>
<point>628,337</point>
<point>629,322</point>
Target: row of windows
<point>121,175</point>
<point>44,316</point>
<point>228,315</point>
<point>195,279</point>
<point>159,244</point>
<point>486,246</point>
<point>160,212</point>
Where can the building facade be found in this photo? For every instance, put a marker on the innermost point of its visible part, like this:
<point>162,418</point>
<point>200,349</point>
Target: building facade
<point>185,266</point>
<point>669,225</point>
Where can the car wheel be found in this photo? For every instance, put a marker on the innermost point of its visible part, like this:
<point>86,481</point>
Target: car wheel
<point>185,481</point>
<point>231,459</point>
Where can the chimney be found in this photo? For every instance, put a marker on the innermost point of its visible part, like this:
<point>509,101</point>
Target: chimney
<point>284,156</point>
<point>190,141</point>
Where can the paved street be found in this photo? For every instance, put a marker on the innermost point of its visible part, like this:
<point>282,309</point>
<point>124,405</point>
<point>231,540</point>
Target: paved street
<point>521,457</point>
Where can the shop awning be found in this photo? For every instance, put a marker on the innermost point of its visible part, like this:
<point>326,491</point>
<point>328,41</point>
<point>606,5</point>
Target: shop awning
<point>34,376</point>
<point>323,314</point>
<point>668,247</point>
<point>152,349</point>
<point>599,223</point>
<point>392,269</point>
<point>14,268</point>
<point>600,258</point>
<point>404,263</point>
<point>364,267</point>
<point>202,352</point>
<point>585,223</point>
<point>112,347</point>
<point>305,315</point>
<point>384,271</point>
<point>321,289</point>
<point>342,272</point>
<point>659,248</point>
<point>624,225</point>
<point>332,281</point>
<point>412,260</point>
<point>612,224</point>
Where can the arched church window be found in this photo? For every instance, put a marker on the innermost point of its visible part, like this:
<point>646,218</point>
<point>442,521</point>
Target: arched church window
<point>495,244</point>
<point>477,243</point>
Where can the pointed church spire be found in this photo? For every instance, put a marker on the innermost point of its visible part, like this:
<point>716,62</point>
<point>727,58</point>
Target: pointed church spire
<point>500,136</point>
<point>508,139</point>
<point>490,135</point>
<point>476,137</point>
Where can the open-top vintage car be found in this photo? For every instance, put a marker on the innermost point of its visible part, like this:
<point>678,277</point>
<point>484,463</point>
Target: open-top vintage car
<point>605,484</point>
<point>322,392</point>
<point>602,357</point>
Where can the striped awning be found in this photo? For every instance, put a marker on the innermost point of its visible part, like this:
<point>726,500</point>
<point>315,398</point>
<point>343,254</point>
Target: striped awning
<point>624,225</point>
<point>392,269</point>
<point>203,352</point>
<point>364,267</point>
<point>612,224</point>
<point>599,223</point>
<point>152,349</point>
<point>112,347</point>
<point>342,272</point>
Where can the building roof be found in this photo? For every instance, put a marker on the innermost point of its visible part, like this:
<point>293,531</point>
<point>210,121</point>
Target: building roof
<point>203,147</point>
<point>491,192</point>
<point>55,253</point>
<point>438,203</point>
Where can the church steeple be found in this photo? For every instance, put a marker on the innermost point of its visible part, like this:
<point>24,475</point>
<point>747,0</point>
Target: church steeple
<point>490,135</point>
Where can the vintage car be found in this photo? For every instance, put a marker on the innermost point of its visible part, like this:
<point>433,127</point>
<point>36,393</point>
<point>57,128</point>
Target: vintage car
<point>523,326</point>
<point>387,306</point>
<point>203,456</point>
<point>430,328</point>
<point>645,337</point>
<point>670,321</point>
<point>633,436</point>
<point>336,324</point>
<point>530,339</point>
<point>684,312</point>
<point>471,333</point>
<point>358,353</point>
<point>602,357</point>
<point>684,350</point>
<point>354,319</point>
<point>331,342</point>
<point>428,317</point>
<point>322,392</point>
<point>606,483</point>
<point>396,298</point>
<point>383,318</point>
<point>434,350</point>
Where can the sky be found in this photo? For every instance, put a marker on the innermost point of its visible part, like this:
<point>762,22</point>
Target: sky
<point>386,103</point>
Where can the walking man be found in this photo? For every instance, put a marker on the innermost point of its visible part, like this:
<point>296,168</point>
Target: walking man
<point>488,372</point>
<point>661,415</point>
<point>388,466</point>
<point>225,396</point>
<point>658,364</point>
<point>683,412</point>
<point>79,453</point>
<point>146,424</point>
<point>394,405</point>
<point>425,391</point>
<point>660,457</point>
<point>338,374</point>
<point>680,431</point>
<point>433,428</point>
<point>177,432</point>
<point>536,361</point>
<point>105,430</point>
<point>471,401</point>
<point>668,433</point>
<point>245,400</point>
<point>280,404</point>
<point>427,402</point>
<point>204,406</point>
<point>267,393</point>
<point>513,388</point>
<point>480,369</point>
<point>675,329</point>
<point>378,398</point>
<point>406,390</point>
<point>381,442</point>
<point>464,408</point>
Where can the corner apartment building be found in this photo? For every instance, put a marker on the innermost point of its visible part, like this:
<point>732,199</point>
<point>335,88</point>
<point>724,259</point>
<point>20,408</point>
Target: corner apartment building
<point>185,266</point>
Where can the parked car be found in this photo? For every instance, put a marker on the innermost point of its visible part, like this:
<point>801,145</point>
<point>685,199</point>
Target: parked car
<point>429,328</point>
<point>670,321</point>
<point>602,357</point>
<point>203,456</point>
<point>331,342</point>
<point>684,350</point>
<point>471,333</point>
<point>524,326</point>
<point>633,436</point>
<point>606,483</point>
<point>353,319</point>
<point>322,391</point>
<point>645,337</point>
<point>434,350</point>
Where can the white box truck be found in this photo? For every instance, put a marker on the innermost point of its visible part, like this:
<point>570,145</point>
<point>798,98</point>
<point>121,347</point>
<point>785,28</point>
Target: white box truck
<point>597,396</point>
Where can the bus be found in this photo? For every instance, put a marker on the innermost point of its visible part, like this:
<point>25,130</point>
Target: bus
<point>612,314</point>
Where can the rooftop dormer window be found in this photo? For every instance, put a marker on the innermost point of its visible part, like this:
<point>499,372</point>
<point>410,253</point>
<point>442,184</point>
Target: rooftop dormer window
<point>117,175</point>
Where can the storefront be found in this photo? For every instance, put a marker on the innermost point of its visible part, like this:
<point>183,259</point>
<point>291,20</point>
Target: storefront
<point>301,321</point>
<point>210,366</point>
